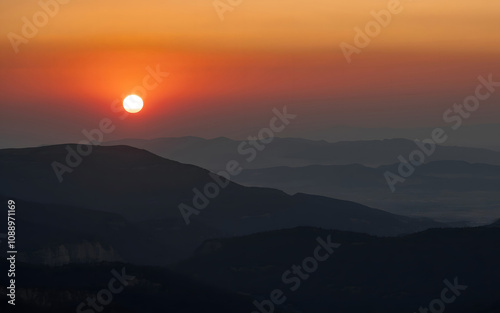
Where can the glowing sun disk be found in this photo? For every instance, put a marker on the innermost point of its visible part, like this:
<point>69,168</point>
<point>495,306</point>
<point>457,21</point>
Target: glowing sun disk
<point>133,104</point>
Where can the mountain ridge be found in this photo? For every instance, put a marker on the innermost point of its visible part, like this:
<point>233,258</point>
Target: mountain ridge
<point>297,152</point>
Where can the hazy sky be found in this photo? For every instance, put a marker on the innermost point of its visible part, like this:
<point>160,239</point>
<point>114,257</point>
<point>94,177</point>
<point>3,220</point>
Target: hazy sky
<point>226,76</point>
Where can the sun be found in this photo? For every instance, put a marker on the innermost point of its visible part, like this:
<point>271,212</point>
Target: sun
<point>133,104</point>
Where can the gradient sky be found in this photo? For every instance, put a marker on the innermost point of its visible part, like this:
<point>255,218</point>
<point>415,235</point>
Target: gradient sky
<point>225,77</point>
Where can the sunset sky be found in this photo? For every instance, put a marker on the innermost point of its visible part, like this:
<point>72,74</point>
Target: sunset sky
<point>226,76</point>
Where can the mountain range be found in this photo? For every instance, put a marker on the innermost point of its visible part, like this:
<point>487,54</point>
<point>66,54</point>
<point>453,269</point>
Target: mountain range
<point>119,190</point>
<point>213,154</point>
<point>448,191</point>
<point>119,209</point>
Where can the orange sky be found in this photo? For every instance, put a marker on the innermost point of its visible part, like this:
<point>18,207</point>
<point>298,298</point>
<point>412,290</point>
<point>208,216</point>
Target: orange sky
<point>226,76</point>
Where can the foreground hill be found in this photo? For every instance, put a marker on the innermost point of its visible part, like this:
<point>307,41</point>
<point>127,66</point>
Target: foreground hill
<point>363,274</point>
<point>44,289</point>
<point>214,153</point>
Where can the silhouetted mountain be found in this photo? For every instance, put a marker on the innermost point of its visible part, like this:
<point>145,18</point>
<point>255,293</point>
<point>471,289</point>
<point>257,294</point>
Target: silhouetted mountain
<point>364,274</point>
<point>442,190</point>
<point>213,154</point>
<point>139,185</point>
